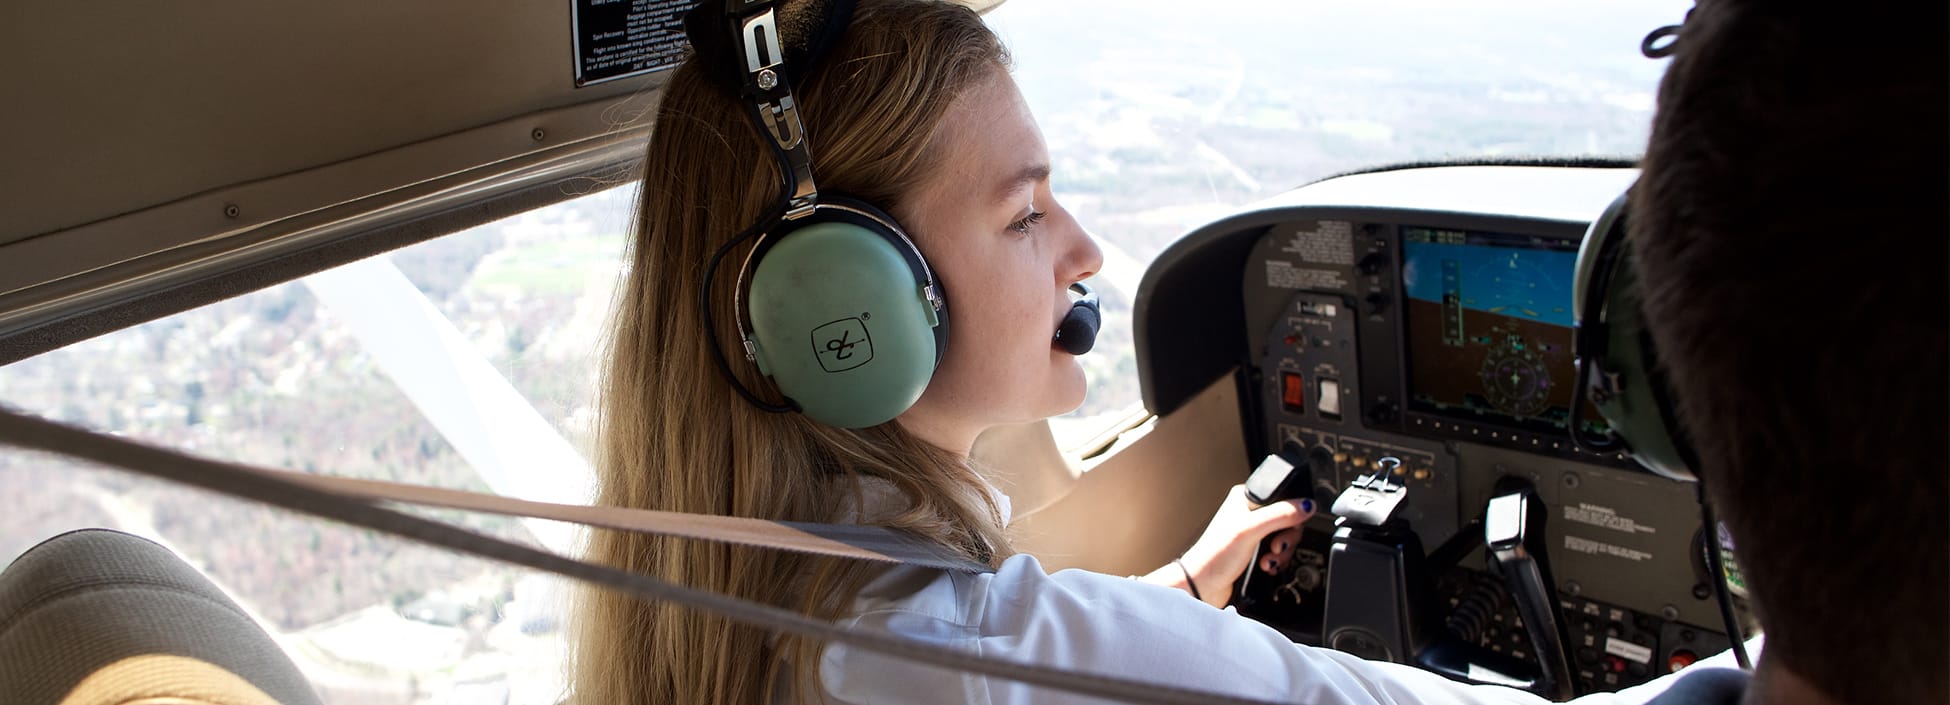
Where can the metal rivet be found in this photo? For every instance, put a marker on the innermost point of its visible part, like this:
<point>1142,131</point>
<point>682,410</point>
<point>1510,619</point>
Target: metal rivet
<point>230,210</point>
<point>1571,479</point>
<point>538,135</point>
<point>1572,587</point>
<point>767,79</point>
<point>1669,612</point>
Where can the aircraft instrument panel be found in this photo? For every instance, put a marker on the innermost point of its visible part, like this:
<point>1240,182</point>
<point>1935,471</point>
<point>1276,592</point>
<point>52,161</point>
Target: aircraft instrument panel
<point>1407,336</point>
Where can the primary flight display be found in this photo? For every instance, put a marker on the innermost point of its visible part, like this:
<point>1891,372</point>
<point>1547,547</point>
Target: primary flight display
<point>1489,327</point>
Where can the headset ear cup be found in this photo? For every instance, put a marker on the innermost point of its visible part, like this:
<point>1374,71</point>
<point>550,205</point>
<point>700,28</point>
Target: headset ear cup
<point>884,225</point>
<point>846,331</point>
<point>1616,360</point>
<point>1640,412</point>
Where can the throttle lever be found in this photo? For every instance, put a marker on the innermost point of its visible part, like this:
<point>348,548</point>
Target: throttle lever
<point>1513,534</point>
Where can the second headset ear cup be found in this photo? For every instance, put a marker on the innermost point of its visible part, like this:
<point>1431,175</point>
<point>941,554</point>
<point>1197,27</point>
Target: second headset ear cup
<point>1612,339</point>
<point>1638,413</point>
<point>841,319</point>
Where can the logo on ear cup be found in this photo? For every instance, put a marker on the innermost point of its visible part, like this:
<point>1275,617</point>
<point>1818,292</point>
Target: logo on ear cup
<point>842,345</point>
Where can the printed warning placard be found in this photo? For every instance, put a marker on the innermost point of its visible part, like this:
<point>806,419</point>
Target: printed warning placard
<point>619,38</point>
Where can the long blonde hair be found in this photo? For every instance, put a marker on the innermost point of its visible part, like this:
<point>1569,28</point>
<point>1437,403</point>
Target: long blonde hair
<point>673,434</point>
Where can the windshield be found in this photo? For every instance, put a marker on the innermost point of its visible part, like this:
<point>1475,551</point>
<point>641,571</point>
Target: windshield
<point>1161,116</point>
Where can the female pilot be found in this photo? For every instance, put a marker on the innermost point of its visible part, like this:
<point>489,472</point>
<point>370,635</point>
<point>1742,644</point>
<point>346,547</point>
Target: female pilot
<point>913,109</point>
<point>934,132</point>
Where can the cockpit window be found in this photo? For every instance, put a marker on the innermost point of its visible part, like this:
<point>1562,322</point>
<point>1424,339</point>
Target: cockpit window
<point>467,361</point>
<point>1161,116</point>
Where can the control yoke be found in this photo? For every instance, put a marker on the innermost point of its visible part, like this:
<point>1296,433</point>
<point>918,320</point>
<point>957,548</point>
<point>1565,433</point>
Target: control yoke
<point>1286,475</point>
<point>1513,533</point>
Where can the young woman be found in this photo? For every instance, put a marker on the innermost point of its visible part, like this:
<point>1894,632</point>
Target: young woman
<point>913,110</point>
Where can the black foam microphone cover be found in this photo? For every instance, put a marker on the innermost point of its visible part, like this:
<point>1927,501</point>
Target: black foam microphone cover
<point>1078,331</point>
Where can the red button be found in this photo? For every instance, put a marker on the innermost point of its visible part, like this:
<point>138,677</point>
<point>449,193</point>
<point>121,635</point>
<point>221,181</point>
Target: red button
<point>1680,659</point>
<point>1617,664</point>
<point>1293,394</point>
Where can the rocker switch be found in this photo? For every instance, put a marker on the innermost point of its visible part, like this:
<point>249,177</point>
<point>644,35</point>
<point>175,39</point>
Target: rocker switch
<point>1329,400</point>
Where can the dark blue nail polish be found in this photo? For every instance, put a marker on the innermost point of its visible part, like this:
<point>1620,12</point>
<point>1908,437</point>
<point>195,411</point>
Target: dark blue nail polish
<point>1307,505</point>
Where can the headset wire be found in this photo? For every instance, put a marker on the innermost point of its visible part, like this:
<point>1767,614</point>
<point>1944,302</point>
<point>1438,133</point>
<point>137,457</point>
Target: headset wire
<point>1711,526</point>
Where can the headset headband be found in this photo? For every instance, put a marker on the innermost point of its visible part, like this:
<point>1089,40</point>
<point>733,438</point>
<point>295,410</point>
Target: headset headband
<point>744,52</point>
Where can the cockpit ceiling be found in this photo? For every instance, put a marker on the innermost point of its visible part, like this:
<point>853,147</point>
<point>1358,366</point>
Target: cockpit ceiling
<point>114,109</point>
<point>135,131</point>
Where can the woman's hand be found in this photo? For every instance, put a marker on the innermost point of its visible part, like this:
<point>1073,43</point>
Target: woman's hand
<point>1223,553</point>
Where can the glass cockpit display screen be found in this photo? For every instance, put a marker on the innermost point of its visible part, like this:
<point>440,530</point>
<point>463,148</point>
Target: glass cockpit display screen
<point>1489,328</point>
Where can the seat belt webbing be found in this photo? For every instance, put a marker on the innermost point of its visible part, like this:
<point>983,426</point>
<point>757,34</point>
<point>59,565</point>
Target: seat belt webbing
<point>352,502</point>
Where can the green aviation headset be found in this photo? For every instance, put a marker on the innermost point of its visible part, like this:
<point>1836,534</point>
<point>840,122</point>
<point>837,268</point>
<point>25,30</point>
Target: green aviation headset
<point>1618,371</point>
<point>835,303</point>
<point>1617,365</point>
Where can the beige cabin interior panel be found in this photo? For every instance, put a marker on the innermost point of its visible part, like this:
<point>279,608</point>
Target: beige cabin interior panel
<point>1147,499</point>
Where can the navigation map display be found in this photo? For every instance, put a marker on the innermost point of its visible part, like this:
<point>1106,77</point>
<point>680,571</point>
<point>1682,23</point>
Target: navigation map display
<point>1489,328</point>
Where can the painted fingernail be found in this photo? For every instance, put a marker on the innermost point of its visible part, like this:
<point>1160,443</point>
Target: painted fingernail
<point>1276,565</point>
<point>1279,547</point>
<point>1307,505</point>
